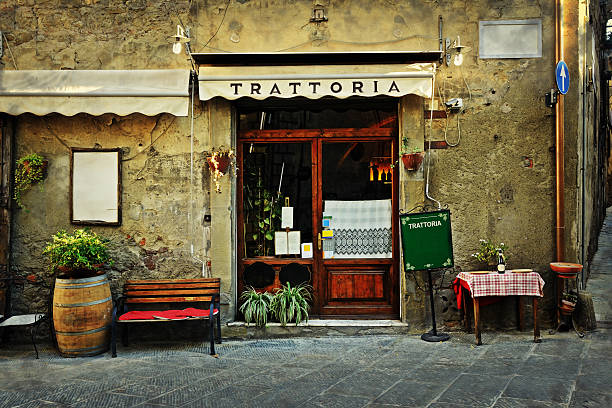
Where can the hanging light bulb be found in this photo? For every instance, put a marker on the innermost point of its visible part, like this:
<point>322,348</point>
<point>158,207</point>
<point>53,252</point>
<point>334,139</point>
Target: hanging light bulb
<point>178,39</point>
<point>177,47</point>
<point>458,60</point>
<point>459,51</point>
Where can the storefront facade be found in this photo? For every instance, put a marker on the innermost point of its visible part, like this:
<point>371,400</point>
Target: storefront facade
<point>318,101</point>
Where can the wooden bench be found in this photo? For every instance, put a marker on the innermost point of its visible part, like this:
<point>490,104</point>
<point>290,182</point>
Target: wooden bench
<point>135,305</point>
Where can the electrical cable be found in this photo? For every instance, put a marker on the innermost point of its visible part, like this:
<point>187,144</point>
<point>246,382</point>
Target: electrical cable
<point>10,51</point>
<point>433,88</point>
<point>190,211</point>
<point>220,24</point>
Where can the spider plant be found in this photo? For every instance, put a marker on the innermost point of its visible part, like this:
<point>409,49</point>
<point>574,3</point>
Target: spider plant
<point>291,304</point>
<point>255,306</point>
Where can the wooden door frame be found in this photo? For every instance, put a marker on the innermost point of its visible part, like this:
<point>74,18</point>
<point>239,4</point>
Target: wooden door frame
<point>317,137</point>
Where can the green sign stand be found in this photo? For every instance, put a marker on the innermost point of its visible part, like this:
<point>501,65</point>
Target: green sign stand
<point>427,244</point>
<point>427,241</point>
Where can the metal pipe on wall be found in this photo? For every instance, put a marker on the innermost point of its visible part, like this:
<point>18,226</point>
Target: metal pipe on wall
<point>559,141</point>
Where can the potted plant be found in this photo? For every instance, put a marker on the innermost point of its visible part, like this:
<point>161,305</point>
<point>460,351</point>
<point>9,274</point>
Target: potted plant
<point>82,301</point>
<point>413,159</point>
<point>219,161</point>
<point>30,170</point>
<point>255,306</point>
<point>291,304</point>
<point>487,252</point>
<point>77,255</point>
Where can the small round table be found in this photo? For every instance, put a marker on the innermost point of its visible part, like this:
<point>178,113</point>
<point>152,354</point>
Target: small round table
<point>565,272</point>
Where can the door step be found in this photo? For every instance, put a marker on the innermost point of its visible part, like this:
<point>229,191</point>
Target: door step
<point>316,328</point>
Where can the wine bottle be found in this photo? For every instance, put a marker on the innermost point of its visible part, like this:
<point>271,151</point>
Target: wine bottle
<point>501,262</point>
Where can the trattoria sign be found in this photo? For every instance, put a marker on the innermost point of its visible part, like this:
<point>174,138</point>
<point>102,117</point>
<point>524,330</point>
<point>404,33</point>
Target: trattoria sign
<point>224,82</point>
<point>427,240</point>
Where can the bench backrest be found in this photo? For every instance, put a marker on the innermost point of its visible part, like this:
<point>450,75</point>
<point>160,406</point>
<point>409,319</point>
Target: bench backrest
<point>172,290</point>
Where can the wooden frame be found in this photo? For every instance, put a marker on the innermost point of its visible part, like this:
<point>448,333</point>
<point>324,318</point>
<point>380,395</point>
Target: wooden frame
<point>386,308</point>
<point>90,203</point>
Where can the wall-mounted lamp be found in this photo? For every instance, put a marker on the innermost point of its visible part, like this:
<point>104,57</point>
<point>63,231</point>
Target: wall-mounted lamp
<point>458,50</point>
<point>179,39</point>
<point>318,14</point>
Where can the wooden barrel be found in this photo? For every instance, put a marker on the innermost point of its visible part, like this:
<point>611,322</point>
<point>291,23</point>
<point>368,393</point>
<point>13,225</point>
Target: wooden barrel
<point>82,314</point>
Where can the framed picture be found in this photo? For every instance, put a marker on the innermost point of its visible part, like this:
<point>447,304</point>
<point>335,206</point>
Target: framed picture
<point>95,186</point>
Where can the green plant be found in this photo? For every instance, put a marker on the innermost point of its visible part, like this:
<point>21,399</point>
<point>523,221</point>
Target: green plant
<point>255,306</point>
<point>487,252</point>
<point>81,251</point>
<point>408,146</point>
<point>570,297</point>
<point>291,304</point>
<point>30,170</point>
<point>263,214</point>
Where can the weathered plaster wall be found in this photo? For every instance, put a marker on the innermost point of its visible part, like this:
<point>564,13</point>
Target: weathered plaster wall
<point>498,182</point>
<point>155,237</point>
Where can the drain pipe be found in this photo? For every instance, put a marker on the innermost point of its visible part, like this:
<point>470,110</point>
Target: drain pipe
<point>559,140</point>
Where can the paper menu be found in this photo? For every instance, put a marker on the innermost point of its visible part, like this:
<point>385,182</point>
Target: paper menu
<point>286,217</point>
<point>307,250</point>
<point>280,243</point>
<point>287,243</point>
<point>293,242</point>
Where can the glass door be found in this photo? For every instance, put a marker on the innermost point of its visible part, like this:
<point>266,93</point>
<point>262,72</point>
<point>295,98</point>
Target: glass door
<point>317,204</point>
<point>356,213</point>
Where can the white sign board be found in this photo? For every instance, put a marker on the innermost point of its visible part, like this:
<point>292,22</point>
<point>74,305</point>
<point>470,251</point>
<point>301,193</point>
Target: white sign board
<point>510,39</point>
<point>96,195</point>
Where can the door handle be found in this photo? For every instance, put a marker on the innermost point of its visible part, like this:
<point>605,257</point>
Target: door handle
<point>319,240</point>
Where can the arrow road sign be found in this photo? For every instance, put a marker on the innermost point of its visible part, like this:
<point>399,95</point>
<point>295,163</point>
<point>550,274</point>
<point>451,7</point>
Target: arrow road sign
<point>563,77</point>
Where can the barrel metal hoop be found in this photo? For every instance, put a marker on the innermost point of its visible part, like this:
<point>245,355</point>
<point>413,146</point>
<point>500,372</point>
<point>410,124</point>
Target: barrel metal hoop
<point>82,349</point>
<point>83,280</point>
<point>99,329</point>
<point>105,282</point>
<point>95,302</point>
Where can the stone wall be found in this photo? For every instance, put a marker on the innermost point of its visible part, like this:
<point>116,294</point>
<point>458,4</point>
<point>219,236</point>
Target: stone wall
<point>498,181</point>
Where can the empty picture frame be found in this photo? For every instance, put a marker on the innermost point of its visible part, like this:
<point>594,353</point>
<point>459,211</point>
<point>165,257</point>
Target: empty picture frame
<point>95,186</point>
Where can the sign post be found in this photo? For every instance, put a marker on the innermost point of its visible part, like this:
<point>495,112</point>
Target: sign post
<point>427,245</point>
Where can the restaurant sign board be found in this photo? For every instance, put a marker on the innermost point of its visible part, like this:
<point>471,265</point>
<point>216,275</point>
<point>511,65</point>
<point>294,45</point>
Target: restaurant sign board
<point>427,240</point>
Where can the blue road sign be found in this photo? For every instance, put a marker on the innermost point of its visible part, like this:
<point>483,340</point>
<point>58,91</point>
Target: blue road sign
<point>563,77</point>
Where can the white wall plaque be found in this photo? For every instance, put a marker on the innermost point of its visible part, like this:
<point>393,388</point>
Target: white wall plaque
<point>510,39</point>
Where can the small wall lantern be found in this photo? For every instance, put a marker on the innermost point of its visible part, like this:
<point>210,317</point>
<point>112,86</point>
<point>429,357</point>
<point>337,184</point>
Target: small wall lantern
<point>318,14</point>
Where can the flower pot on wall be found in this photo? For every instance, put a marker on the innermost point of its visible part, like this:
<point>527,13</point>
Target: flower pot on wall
<point>219,162</point>
<point>412,161</point>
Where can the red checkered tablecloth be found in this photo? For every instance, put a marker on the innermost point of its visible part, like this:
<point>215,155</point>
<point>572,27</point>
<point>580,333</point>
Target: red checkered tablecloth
<point>506,284</point>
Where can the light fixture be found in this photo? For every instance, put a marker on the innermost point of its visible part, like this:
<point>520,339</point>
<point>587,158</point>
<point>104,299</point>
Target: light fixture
<point>178,40</point>
<point>459,50</point>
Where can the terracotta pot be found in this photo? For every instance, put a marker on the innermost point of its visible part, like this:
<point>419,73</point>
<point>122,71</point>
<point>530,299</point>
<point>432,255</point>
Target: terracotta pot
<point>412,161</point>
<point>75,273</point>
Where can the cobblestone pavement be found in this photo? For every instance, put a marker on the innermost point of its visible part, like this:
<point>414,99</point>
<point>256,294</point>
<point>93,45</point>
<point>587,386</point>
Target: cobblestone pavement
<point>600,281</point>
<point>509,370</point>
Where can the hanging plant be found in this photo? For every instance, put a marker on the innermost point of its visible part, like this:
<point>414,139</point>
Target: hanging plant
<point>30,170</point>
<point>220,162</point>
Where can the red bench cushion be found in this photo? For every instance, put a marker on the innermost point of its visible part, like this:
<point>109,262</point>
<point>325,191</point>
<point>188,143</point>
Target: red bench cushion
<point>166,314</point>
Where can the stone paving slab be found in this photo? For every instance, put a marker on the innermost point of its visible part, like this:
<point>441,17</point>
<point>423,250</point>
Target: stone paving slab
<point>509,370</point>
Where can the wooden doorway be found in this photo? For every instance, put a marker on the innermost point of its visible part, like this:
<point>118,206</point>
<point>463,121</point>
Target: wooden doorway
<point>332,173</point>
